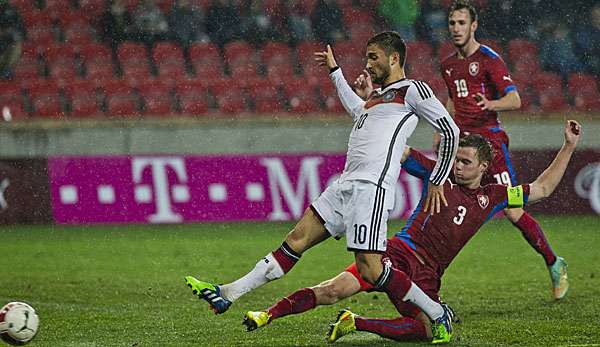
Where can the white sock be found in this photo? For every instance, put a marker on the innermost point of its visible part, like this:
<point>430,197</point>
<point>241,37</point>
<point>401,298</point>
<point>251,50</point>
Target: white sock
<point>267,269</point>
<point>416,296</point>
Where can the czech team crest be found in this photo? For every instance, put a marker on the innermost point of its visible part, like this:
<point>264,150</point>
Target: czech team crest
<point>483,201</point>
<point>474,68</point>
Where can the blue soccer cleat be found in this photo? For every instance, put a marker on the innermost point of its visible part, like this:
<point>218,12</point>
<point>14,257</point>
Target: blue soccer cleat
<point>211,293</point>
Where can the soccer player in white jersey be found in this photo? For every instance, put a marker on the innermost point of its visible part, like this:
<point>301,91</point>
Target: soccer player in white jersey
<point>357,205</point>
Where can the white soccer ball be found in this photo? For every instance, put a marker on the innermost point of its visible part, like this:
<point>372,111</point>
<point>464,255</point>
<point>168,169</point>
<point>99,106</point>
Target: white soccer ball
<point>18,323</point>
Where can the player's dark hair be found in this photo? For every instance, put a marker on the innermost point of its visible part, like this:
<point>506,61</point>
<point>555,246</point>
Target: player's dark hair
<point>484,149</point>
<point>464,4</point>
<point>390,42</point>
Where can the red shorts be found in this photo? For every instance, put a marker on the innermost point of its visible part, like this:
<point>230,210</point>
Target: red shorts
<point>402,258</point>
<point>501,170</point>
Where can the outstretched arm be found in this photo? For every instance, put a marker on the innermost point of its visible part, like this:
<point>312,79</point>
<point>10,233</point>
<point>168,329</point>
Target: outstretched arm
<point>545,184</point>
<point>510,101</point>
<point>351,102</point>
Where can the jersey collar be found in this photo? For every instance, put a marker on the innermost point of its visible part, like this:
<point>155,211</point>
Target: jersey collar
<point>384,87</point>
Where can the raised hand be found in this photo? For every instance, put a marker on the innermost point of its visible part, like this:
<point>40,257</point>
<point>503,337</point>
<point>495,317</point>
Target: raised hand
<point>326,58</point>
<point>363,86</point>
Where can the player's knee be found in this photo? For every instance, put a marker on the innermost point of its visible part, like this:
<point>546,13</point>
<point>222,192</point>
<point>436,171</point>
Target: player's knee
<point>369,267</point>
<point>327,293</point>
<point>514,214</point>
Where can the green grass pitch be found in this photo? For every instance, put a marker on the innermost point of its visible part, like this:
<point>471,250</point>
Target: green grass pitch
<point>123,286</point>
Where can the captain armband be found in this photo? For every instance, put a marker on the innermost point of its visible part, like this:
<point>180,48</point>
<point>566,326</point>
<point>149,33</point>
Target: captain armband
<point>515,196</point>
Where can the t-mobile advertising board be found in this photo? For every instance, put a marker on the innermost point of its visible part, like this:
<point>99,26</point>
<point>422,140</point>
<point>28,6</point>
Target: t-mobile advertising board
<point>183,189</point>
<point>187,189</point>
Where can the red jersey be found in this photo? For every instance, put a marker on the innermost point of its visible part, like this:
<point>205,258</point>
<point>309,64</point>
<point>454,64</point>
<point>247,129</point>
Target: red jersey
<point>439,238</point>
<point>483,72</point>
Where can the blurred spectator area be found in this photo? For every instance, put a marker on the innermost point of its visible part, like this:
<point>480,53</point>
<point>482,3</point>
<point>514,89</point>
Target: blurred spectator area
<point>69,69</point>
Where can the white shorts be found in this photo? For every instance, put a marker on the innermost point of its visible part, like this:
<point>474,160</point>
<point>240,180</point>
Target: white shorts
<point>359,210</point>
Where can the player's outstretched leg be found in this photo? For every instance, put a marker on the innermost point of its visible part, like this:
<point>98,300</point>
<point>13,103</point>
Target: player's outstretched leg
<point>344,325</point>
<point>209,292</point>
<point>558,274</point>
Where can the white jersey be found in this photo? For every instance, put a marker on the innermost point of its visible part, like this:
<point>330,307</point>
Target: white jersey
<point>384,122</point>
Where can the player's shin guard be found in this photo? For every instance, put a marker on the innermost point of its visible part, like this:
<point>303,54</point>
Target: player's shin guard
<point>269,268</point>
<point>533,233</point>
<point>297,302</point>
<point>398,286</point>
<point>399,329</point>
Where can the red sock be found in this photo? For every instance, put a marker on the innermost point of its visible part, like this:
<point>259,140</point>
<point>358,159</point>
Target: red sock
<point>286,257</point>
<point>532,232</point>
<point>399,329</point>
<point>297,302</point>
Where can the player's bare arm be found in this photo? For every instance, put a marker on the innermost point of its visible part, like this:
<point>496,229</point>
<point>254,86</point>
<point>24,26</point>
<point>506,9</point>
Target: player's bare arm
<point>545,184</point>
<point>510,101</point>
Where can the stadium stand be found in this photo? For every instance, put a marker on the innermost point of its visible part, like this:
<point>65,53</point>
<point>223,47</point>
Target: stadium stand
<point>65,70</point>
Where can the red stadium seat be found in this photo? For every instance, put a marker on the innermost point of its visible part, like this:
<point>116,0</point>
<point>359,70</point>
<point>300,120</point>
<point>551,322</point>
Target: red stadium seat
<point>93,10</point>
<point>164,52</point>
<point>28,66</point>
<point>9,91</point>
<point>265,95</point>
<point>156,97</point>
<point>36,18</point>
<point>78,33</point>
<point>361,32</point>
<point>121,99</point>
<point>239,53</point>
<point>549,89</point>
<point>99,72</point>
<point>445,49</point>
<point>241,70</point>
<point>439,88</point>
<point>280,73</point>
<point>95,52</point>
<point>82,95</point>
<point>276,52</point>
<point>229,96</point>
<point>522,49</point>
<point>301,97</point>
<point>583,89</point>
<point>41,35</point>
<point>305,52</point>
<point>45,100</point>
<point>206,60</point>
<point>331,99</point>
<point>132,53</point>
<point>11,101</point>
<point>192,97</point>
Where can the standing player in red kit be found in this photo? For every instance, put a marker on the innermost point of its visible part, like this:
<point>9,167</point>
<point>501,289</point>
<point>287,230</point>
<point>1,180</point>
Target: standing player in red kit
<point>479,86</point>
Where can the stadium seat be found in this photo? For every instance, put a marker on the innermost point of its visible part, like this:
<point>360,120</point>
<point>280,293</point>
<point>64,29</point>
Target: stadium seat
<point>136,74</point>
<point>156,97</point>
<point>424,71</point>
<point>95,52</point>
<point>439,88</point>
<point>583,89</point>
<point>240,53</point>
<point>549,88</point>
<point>523,70</point>
<point>521,49</point>
<point>280,73</point>
<point>11,101</point>
<point>315,75</point>
<point>61,59</point>
<point>301,97</point>
<point>45,99</point>
<point>192,96</point>
<point>444,50</point>
<point>83,98</point>
<point>79,33</point>
<point>352,15</point>
<point>132,53</point>
<point>265,96</point>
<point>121,99</point>
<point>229,96</point>
<point>305,52</point>
<point>361,32</point>
<point>25,7</point>
<point>36,18</point>
<point>276,52</point>
<point>93,10</point>
<point>28,66</point>
<point>41,34</point>
<point>331,100</point>
<point>240,70</point>
<point>99,72</point>
<point>170,62</point>
<point>206,60</point>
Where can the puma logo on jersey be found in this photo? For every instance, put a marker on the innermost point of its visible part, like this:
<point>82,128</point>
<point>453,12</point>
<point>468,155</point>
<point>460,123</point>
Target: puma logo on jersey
<point>449,72</point>
<point>507,78</point>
